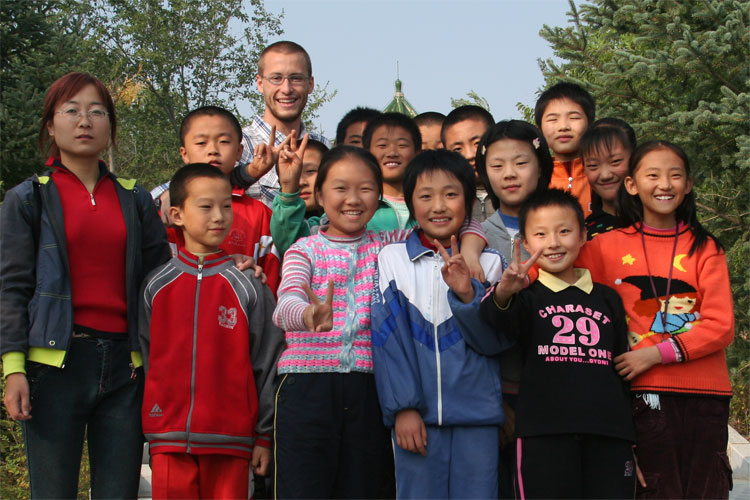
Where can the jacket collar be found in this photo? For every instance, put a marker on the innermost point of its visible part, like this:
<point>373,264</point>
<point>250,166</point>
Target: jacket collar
<point>416,249</point>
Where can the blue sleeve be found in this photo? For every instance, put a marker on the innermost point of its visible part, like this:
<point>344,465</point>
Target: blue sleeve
<point>477,333</point>
<point>394,354</point>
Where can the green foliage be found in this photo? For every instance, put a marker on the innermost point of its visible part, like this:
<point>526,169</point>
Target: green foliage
<point>677,70</point>
<point>473,99</point>
<point>37,45</point>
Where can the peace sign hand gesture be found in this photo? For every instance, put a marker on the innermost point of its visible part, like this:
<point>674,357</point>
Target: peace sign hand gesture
<point>265,156</point>
<point>513,279</point>
<point>290,162</point>
<point>456,273</point>
<point>319,315</point>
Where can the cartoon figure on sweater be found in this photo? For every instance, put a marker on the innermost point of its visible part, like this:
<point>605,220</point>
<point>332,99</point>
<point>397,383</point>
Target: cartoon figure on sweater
<point>672,315</point>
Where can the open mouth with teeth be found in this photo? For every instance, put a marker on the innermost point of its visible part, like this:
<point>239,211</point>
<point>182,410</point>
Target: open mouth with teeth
<point>392,164</point>
<point>555,256</point>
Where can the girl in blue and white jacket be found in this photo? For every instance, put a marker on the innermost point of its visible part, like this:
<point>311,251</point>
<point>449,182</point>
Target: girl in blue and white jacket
<point>442,399</point>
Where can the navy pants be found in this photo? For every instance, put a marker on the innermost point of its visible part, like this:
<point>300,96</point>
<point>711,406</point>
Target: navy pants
<point>461,462</point>
<point>94,396</point>
<point>330,441</point>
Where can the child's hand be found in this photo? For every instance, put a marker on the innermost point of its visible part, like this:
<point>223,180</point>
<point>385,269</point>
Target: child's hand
<point>456,272</point>
<point>164,209</point>
<point>243,262</point>
<point>319,315</point>
<point>17,402</point>
<point>513,279</point>
<point>411,434</point>
<point>261,459</point>
<point>290,163</point>
<point>631,364</point>
<point>265,156</point>
<point>471,248</point>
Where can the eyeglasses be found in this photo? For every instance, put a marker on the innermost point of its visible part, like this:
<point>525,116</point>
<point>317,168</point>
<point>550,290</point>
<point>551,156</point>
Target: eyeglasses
<point>294,80</point>
<point>73,114</point>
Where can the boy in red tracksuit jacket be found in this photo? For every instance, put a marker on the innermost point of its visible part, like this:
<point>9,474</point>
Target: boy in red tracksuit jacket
<point>210,351</point>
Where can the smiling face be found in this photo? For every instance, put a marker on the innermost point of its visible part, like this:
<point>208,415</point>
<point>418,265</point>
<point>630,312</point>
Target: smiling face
<point>349,196</point>
<point>85,137</point>
<point>661,182</point>
<point>206,215</point>
<point>513,171</point>
<point>212,140</point>
<point>563,124</point>
<point>284,102</point>
<point>393,148</point>
<point>605,169</point>
<point>679,304</point>
<point>310,164</point>
<point>556,230</point>
<point>439,205</point>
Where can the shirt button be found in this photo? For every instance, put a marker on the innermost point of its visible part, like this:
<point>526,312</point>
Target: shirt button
<point>52,342</point>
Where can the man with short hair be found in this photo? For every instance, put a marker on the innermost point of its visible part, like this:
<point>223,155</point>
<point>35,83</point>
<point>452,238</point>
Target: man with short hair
<point>285,80</point>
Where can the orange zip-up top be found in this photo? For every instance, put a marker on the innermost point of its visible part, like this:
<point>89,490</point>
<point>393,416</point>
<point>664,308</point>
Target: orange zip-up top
<point>569,176</point>
<point>699,317</point>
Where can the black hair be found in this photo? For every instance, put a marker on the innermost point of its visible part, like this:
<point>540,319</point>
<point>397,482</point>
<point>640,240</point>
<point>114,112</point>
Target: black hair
<point>317,145</point>
<point>392,120</point>
<point>209,111</point>
<point>429,118</point>
<point>552,197</point>
<point>435,160</point>
<point>286,47</point>
<point>630,207</point>
<point>356,115</point>
<point>521,131</point>
<point>342,152</point>
<point>601,136</point>
<point>565,90</point>
<point>178,192</point>
<point>463,113</point>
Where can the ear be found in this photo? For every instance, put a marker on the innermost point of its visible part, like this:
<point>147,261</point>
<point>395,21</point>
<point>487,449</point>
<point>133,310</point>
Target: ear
<point>50,128</point>
<point>259,82</point>
<point>184,155</point>
<point>584,236</point>
<point>630,186</point>
<point>525,244</point>
<point>175,213</point>
<point>240,149</point>
<point>312,85</point>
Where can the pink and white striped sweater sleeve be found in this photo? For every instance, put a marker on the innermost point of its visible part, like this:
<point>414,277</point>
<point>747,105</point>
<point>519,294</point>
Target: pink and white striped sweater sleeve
<point>289,314</point>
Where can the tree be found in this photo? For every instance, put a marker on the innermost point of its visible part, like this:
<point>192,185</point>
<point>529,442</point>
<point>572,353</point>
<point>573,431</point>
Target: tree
<point>677,70</point>
<point>471,99</point>
<point>37,46</point>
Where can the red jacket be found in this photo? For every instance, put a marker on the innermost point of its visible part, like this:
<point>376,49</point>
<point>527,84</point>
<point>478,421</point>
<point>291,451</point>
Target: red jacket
<point>250,235</point>
<point>210,351</point>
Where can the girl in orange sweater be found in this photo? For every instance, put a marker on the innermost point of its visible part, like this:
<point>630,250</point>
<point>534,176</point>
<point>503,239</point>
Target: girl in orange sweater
<point>673,280</point>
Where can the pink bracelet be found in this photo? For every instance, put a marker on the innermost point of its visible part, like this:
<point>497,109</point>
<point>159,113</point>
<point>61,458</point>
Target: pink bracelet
<point>668,354</point>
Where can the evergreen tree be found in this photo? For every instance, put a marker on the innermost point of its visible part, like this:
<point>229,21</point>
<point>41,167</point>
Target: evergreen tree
<point>677,70</point>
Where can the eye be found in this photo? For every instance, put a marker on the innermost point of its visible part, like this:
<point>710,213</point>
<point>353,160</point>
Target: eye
<point>297,79</point>
<point>424,197</point>
<point>97,113</point>
<point>71,112</point>
<point>275,79</point>
<point>456,149</point>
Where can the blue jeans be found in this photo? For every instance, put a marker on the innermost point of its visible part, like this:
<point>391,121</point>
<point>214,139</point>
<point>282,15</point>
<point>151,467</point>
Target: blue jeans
<point>95,395</point>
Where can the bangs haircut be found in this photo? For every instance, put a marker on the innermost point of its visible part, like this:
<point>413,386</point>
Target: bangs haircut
<point>463,113</point>
<point>393,120</point>
<point>178,191</point>
<point>549,198</point>
<point>356,115</point>
<point>565,90</point>
<point>450,162</point>
<point>604,134</point>
<point>286,47</point>
<point>61,91</point>
<point>209,111</point>
<point>518,130</point>
<point>630,207</point>
<point>341,153</point>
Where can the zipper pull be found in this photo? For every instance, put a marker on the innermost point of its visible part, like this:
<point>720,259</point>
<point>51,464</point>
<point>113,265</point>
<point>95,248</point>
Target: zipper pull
<point>93,202</point>
<point>200,271</point>
<point>132,371</point>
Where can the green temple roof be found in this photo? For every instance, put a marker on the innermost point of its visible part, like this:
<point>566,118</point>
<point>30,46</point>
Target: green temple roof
<point>399,104</point>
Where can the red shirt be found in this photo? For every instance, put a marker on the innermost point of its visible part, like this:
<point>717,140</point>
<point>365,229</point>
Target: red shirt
<point>95,236</point>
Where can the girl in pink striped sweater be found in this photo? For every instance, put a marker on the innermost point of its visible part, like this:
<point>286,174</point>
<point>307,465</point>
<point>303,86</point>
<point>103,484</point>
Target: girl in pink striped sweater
<point>330,441</point>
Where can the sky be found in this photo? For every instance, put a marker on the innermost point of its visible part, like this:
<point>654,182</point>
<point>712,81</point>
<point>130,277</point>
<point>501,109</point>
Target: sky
<point>444,49</point>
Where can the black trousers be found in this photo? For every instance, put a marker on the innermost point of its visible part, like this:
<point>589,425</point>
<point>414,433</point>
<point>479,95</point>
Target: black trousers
<point>330,441</point>
<point>575,466</point>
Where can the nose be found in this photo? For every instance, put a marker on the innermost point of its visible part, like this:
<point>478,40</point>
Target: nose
<point>286,85</point>
<point>392,150</point>
<point>665,183</point>
<point>509,172</point>
<point>84,120</point>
